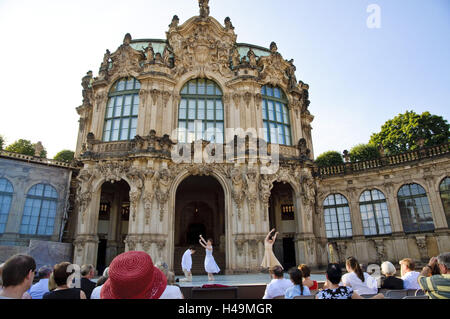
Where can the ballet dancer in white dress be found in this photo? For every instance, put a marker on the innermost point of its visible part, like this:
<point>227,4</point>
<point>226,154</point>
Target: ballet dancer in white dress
<point>210,264</point>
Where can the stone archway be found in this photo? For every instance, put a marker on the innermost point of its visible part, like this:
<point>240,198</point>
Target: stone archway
<point>113,222</point>
<point>199,209</point>
<point>283,213</point>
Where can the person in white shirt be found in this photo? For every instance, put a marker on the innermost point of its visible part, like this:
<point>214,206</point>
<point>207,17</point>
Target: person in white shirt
<point>361,282</point>
<point>39,289</point>
<point>409,276</point>
<point>172,291</point>
<point>278,285</point>
<point>96,292</point>
<point>186,264</point>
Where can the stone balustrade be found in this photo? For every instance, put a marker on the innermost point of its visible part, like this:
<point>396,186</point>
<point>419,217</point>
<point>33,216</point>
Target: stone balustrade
<point>386,161</point>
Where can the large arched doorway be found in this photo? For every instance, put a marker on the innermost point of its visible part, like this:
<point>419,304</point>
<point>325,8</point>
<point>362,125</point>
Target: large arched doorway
<point>282,217</point>
<point>114,216</point>
<point>199,210</point>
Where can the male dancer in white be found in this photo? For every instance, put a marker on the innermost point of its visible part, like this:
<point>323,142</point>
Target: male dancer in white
<point>186,264</point>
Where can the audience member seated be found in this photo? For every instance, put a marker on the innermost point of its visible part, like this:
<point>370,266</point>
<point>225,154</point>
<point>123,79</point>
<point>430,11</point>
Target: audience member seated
<point>334,290</point>
<point>278,286</point>
<point>172,290</point>
<point>100,282</point>
<point>437,286</point>
<point>17,276</point>
<point>390,281</point>
<point>63,277</point>
<point>298,289</point>
<point>132,275</point>
<point>361,282</point>
<point>87,285</point>
<point>306,272</point>
<point>39,289</point>
<point>409,276</point>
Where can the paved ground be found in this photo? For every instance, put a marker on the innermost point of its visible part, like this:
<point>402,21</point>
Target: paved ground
<point>237,280</point>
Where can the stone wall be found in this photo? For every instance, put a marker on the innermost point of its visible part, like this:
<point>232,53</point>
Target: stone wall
<point>43,252</point>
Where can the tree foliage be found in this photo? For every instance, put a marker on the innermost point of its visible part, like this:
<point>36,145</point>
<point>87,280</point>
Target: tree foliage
<point>65,156</point>
<point>24,147</point>
<point>402,133</point>
<point>364,152</point>
<point>2,142</point>
<point>331,158</point>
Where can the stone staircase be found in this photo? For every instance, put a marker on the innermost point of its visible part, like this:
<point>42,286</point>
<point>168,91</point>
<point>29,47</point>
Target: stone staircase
<point>198,261</point>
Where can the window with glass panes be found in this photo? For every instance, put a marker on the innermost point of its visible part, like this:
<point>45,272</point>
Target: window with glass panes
<point>415,209</point>
<point>201,113</point>
<point>374,213</point>
<point>337,217</point>
<point>40,211</point>
<point>122,111</point>
<point>6,194</point>
<point>276,120</point>
<point>445,197</point>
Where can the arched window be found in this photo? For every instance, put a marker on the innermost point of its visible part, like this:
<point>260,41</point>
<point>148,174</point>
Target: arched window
<point>40,211</point>
<point>337,217</point>
<point>277,124</point>
<point>122,111</point>
<point>445,196</point>
<point>374,213</point>
<point>415,209</point>
<point>201,114</point>
<point>6,194</point>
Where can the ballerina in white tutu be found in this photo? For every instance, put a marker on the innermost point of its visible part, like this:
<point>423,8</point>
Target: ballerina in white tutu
<point>210,264</point>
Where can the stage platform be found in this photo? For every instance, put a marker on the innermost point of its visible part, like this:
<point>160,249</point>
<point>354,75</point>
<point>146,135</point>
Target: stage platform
<point>237,280</point>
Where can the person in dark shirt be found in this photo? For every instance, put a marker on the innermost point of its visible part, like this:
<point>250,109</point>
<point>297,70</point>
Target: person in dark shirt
<point>87,286</point>
<point>62,278</point>
<point>390,281</point>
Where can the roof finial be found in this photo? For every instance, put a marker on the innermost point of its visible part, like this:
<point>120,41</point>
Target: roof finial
<point>204,8</point>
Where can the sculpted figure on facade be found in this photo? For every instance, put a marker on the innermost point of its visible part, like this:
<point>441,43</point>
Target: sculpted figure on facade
<point>126,61</point>
<point>150,53</point>
<point>204,8</point>
<point>86,83</point>
<point>104,67</point>
<point>162,191</point>
<point>174,23</point>
<point>265,191</point>
<point>149,193</point>
<point>251,191</point>
<point>238,188</point>
<point>228,24</point>
<point>84,191</point>
<point>136,177</point>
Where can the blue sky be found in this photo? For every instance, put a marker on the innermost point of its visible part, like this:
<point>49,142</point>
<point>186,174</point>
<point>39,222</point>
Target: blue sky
<point>359,77</point>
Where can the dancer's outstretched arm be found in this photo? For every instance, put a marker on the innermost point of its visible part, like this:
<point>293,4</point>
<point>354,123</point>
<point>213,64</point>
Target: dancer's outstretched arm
<point>268,235</point>
<point>275,237</point>
<point>203,240</point>
<point>203,245</point>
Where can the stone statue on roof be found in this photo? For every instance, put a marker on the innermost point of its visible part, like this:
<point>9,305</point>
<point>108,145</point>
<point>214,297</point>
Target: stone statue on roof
<point>204,8</point>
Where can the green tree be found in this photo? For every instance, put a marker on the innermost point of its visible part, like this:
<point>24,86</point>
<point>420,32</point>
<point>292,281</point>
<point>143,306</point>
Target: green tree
<point>402,133</point>
<point>331,158</point>
<point>24,147</point>
<point>64,156</point>
<point>364,152</point>
<point>2,142</point>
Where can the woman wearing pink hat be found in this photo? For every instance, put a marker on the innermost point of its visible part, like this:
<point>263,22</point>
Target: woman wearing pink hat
<point>132,275</point>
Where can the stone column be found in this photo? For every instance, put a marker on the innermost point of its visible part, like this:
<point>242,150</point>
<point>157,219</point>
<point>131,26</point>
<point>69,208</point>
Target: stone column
<point>394,210</point>
<point>434,198</point>
<point>355,214</point>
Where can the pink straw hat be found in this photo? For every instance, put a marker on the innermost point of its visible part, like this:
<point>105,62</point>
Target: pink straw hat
<point>132,275</point>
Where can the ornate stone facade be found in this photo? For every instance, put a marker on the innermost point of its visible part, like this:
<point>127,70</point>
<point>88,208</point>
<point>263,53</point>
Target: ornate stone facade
<point>204,48</point>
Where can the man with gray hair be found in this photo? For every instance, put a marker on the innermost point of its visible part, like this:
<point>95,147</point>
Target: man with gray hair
<point>87,273</point>
<point>39,289</point>
<point>438,286</point>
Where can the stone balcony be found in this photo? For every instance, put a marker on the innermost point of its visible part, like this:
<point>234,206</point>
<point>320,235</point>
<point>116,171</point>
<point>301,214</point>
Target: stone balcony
<point>162,147</point>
